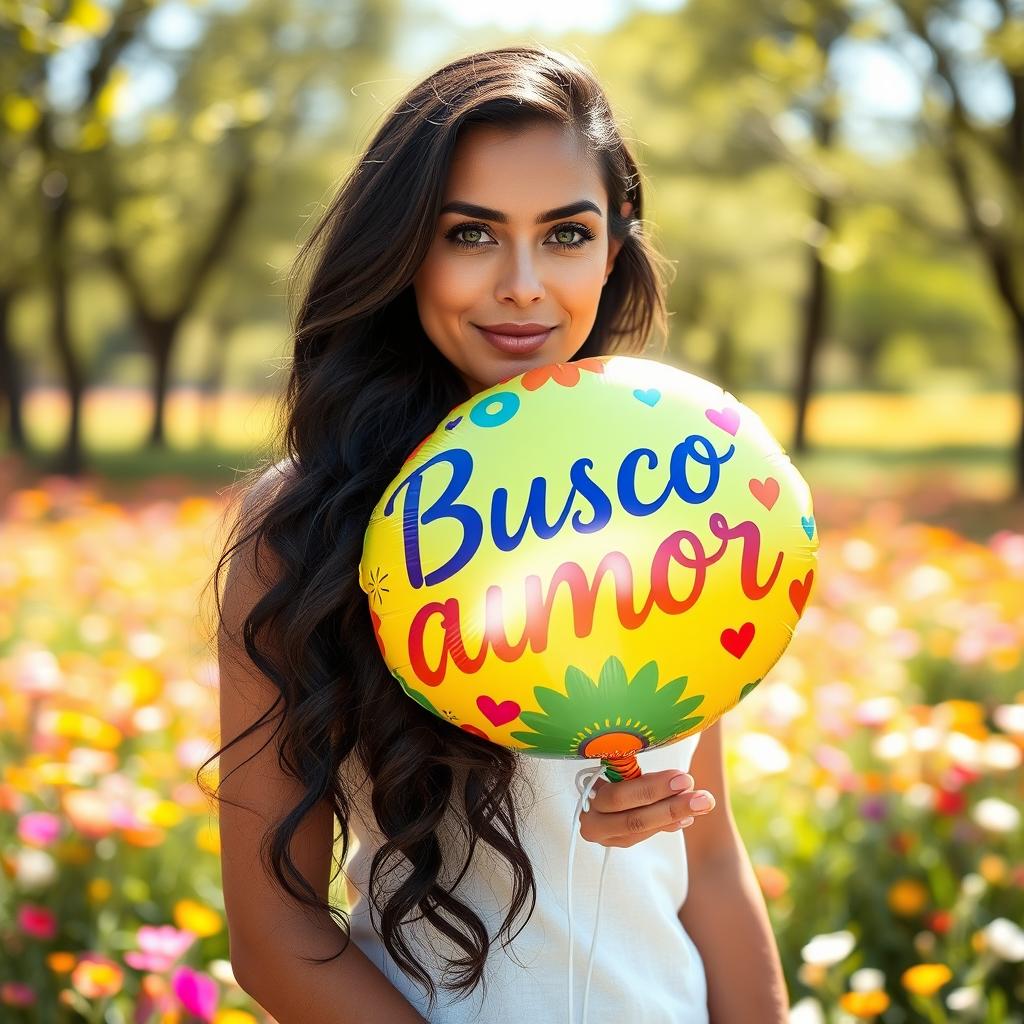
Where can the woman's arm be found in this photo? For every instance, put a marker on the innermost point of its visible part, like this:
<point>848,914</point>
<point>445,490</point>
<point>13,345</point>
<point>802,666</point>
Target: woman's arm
<point>725,912</point>
<point>267,933</point>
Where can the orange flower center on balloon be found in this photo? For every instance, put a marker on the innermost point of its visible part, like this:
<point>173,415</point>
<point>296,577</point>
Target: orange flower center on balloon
<point>612,744</point>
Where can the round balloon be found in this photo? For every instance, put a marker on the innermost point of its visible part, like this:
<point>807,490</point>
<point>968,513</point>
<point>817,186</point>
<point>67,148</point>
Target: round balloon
<point>590,559</point>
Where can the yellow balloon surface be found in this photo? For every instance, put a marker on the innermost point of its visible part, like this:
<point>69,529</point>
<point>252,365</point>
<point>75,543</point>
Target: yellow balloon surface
<point>590,559</point>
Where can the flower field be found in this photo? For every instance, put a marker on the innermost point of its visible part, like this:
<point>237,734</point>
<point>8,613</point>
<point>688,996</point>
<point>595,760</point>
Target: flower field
<point>875,774</point>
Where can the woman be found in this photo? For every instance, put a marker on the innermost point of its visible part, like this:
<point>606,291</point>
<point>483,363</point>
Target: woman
<point>493,225</point>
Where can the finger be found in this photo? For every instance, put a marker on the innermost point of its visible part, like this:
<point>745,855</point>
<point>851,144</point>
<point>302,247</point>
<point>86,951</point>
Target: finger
<point>632,840</point>
<point>645,819</point>
<point>608,796</point>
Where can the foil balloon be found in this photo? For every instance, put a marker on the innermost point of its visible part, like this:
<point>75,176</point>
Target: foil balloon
<point>590,559</point>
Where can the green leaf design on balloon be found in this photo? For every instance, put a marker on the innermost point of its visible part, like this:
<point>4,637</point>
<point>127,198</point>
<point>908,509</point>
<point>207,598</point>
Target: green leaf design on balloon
<point>416,695</point>
<point>587,720</point>
<point>746,689</point>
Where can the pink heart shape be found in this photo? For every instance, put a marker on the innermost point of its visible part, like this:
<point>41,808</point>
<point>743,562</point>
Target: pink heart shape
<point>736,642</point>
<point>727,419</point>
<point>766,491</point>
<point>498,714</point>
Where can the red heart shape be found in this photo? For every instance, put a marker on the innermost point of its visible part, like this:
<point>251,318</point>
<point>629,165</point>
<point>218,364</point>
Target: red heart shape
<point>735,641</point>
<point>798,591</point>
<point>498,714</point>
<point>766,491</point>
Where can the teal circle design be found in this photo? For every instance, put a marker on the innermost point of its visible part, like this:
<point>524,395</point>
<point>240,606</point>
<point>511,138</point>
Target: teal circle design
<point>483,414</point>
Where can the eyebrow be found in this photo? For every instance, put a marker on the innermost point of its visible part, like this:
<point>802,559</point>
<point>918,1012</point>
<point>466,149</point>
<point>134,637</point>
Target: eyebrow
<point>486,213</point>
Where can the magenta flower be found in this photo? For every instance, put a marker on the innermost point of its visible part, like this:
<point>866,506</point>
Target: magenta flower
<point>38,828</point>
<point>196,992</point>
<point>37,921</point>
<point>17,993</point>
<point>874,808</point>
<point>159,947</point>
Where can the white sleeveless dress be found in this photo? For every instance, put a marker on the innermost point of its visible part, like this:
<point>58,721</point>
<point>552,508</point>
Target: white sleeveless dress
<point>647,969</point>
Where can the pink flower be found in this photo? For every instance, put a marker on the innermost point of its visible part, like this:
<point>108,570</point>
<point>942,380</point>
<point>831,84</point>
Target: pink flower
<point>38,828</point>
<point>16,993</point>
<point>160,947</point>
<point>197,992</point>
<point>37,921</point>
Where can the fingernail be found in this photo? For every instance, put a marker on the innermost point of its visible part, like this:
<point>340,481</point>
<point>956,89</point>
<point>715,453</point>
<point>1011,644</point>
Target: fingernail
<point>682,823</point>
<point>701,802</point>
<point>679,782</point>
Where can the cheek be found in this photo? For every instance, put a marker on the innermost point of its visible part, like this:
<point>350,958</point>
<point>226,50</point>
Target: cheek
<point>445,285</point>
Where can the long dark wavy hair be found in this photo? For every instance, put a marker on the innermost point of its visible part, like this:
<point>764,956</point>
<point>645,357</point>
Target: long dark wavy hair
<point>366,385</point>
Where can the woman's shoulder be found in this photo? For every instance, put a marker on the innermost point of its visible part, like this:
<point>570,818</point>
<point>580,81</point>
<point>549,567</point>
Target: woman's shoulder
<point>284,472</point>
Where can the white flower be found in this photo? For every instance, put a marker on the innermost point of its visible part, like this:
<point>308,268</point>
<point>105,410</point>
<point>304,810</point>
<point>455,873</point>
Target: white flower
<point>920,796</point>
<point>867,979</point>
<point>972,885</point>
<point>221,970</point>
<point>925,738</point>
<point>806,1011</point>
<point>1010,718</point>
<point>996,815</point>
<point>965,750</point>
<point>1000,754</point>
<point>1005,939</point>
<point>763,752</point>
<point>963,998</point>
<point>828,949</point>
<point>33,869</point>
<point>890,746</point>
<point>877,710</point>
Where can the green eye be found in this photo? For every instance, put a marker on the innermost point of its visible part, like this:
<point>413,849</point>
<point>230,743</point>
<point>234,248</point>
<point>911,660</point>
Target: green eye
<point>562,229</point>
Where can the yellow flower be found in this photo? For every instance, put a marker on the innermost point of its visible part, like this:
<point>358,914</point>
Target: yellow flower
<point>907,897</point>
<point>926,979</point>
<point>960,715</point>
<point>233,1017</point>
<point>164,813</point>
<point>98,890</point>
<point>96,979</point>
<point>192,916</point>
<point>208,838</point>
<point>864,1004</point>
<point>992,868</point>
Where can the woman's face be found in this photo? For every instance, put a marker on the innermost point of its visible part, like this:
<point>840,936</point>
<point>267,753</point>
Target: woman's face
<point>511,268</point>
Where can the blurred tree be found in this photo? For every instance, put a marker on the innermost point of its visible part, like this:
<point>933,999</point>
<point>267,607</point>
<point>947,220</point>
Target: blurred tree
<point>39,38</point>
<point>175,197</point>
<point>971,44</point>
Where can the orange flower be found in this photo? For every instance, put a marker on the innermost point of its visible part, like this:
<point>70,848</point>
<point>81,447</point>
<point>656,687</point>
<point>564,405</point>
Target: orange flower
<point>926,979</point>
<point>60,962</point>
<point>566,374</point>
<point>773,881</point>
<point>865,1005</point>
<point>907,897</point>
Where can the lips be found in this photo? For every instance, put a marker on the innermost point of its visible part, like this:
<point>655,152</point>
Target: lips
<point>518,344</point>
<point>516,330</point>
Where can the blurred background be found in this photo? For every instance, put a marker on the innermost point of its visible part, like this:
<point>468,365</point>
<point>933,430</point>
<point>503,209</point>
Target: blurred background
<point>841,188</point>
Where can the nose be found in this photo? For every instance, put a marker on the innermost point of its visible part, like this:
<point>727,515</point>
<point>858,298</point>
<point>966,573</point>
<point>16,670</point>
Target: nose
<point>519,278</point>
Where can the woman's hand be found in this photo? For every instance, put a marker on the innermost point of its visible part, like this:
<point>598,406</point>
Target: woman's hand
<point>628,812</point>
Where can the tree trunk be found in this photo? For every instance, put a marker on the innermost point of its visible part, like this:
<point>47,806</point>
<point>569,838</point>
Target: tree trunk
<point>815,306</point>
<point>71,460</point>
<point>12,381</point>
<point>1019,479</point>
<point>160,334</point>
